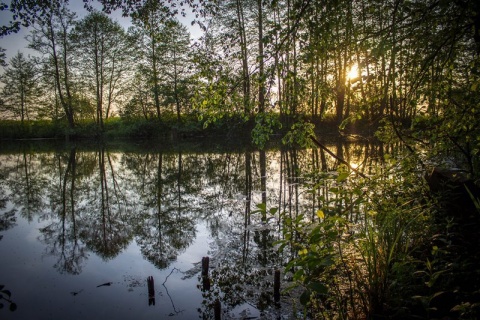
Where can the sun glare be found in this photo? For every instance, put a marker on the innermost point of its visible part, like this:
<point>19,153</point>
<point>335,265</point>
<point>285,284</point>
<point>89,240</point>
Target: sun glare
<point>353,73</point>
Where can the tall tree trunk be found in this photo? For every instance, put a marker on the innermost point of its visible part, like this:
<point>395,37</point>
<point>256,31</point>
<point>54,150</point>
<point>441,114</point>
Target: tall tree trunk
<point>244,57</point>
<point>97,62</point>
<point>175,83</point>
<point>69,106</point>
<point>277,65</point>
<point>65,102</point>
<point>155,74</point>
<point>261,61</point>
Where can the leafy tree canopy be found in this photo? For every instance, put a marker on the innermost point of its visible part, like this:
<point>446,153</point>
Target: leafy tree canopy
<point>26,12</point>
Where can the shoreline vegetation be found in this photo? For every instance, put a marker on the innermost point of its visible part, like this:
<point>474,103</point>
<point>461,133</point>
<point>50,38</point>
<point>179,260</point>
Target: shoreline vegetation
<point>228,126</point>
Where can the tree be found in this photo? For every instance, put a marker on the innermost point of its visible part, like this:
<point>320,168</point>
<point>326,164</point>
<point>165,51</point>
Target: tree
<point>140,104</point>
<point>261,60</point>
<point>244,56</point>
<point>26,12</point>
<point>226,58</point>
<point>3,57</point>
<point>20,87</point>
<point>147,30</point>
<point>104,56</point>
<point>50,38</point>
<point>175,53</point>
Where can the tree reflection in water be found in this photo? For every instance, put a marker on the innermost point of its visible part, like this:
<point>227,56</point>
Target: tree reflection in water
<point>100,201</point>
<point>164,226</point>
<point>61,236</point>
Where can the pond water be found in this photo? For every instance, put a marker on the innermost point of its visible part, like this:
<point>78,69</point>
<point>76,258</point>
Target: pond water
<point>82,227</point>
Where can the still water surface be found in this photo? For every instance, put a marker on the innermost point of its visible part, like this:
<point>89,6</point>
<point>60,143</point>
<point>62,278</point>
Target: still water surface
<point>83,227</point>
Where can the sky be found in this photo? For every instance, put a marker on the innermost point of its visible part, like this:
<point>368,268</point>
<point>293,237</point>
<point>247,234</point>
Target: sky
<point>17,42</point>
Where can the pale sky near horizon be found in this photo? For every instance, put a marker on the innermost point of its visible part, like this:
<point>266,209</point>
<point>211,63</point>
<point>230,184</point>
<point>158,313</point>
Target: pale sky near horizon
<point>17,42</point>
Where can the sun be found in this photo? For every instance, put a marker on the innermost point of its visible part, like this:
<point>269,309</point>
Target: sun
<point>353,73</point>
<point>354,165</point>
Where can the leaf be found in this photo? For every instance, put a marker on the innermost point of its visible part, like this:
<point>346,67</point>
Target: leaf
<point>290,265</point>
<point>327,261</point>
<point>298,275</point>
<point>318,287</point>
<point>262,206</point>
<point>315,238</point>
<point>334,190</point>
<point>305,297</point>
<point>273,210</point>
<point>303,252</point>
<point>320,214</point>
<point>460,307</point>
<point>342,176</point>
<point>371,213</point>
<point>437,294</point>
<point>13,307</point>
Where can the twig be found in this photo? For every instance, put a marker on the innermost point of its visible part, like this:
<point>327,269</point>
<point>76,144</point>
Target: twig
<point>316,142</point>
<point>168,294</point>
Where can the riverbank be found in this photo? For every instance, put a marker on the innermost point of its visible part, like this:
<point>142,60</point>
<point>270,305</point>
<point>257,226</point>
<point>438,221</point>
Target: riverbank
<point>226,126</point>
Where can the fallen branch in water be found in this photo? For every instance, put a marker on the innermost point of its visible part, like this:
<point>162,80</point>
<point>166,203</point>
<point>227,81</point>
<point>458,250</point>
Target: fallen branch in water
<point>317,143</point>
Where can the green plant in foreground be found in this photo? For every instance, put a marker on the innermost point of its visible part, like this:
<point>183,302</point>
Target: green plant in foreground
<point>355,260</point>
<point>312,247</point>
<point>430,274</point>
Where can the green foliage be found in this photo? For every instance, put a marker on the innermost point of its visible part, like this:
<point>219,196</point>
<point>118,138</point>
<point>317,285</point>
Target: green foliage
<point>21,87</point>
<point>357,254</point>
<point>3,58</point>
<point>265,125</point>
<point>30,129</point>
<point>299,135</point>
<point>213,101</point>
<point>313,244</point>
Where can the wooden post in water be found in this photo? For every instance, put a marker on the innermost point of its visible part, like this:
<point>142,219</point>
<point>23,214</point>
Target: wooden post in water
<point>205,278</point>
<point>205,265</point>
<point>206,283</point>
<point>217,310</point>
<point>276,286</point>
<point>151,291</point>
